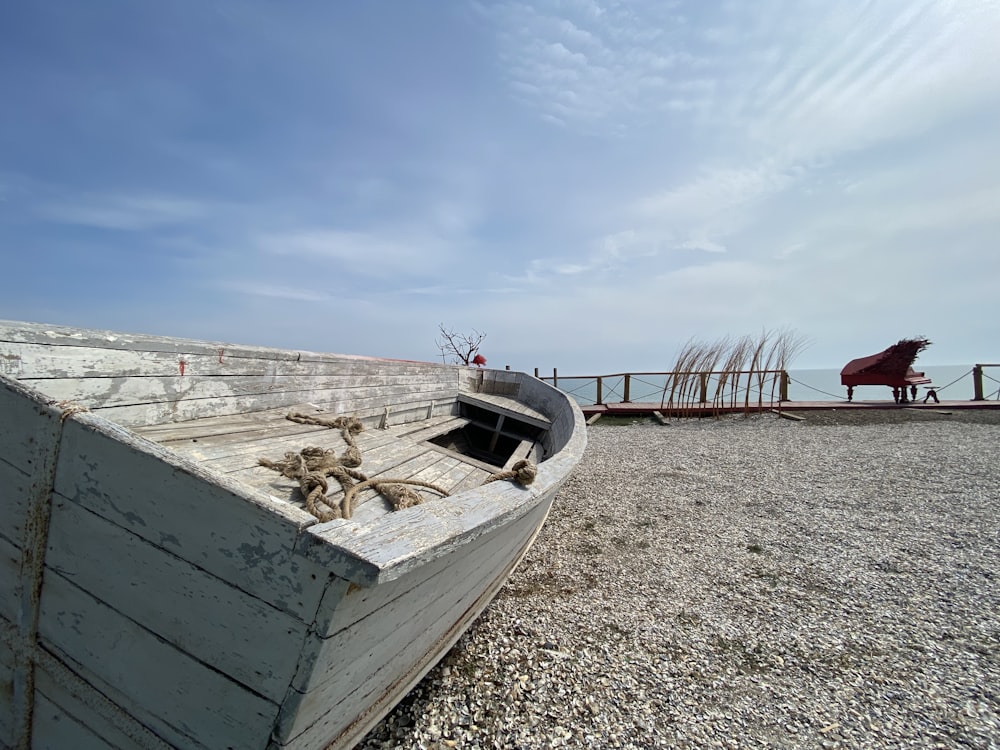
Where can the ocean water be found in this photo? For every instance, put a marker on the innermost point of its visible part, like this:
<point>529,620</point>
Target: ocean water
<point>953,383</point>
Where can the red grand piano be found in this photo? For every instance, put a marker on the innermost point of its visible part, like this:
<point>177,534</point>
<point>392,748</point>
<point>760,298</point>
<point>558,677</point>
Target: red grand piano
<point>893,367</point>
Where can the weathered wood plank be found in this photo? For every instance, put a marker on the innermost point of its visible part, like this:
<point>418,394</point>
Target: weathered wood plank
<point>55,728</point>
<point>28,423</point>
<point>18,332</point>
<point>45,360</point>
<point>378,621</point>
<point>406,406</point>
<point>508,407</point>
<point>415,536</point>
<point>403,470</point>
<point>42,333</point>
<point>69,691</point>
<point>492,382</point>
<point>130,390</point>
<point>7,633</point>
<point>444,473</point>
<point>216,623</point>
<point>10,569</point>
<point>232,456</point>
<point>437,427</point>
<point>379,693</point>
<point>163,687</point>
<point>14,489</point>
<point>458,470</point>
<point>438,471</point>
<point>211,522</point>
<point>429,612</point>
<point>476,476</point>
<point>221,431</point>
<point>522,451</point>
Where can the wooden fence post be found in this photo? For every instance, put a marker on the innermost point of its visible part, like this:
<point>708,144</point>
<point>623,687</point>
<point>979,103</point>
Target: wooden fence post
<point>628,382</point>
<point>555,378</point>
<point>703,395</point>
<point>783,388</point>
<point>977,383</point>
<point>600,391</point>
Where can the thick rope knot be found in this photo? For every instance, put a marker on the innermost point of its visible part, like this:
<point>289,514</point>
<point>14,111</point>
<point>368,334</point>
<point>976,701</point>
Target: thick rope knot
<point>351,457</point>
<point>523,472</point>
<point>400,496</point>
<point>314,486</point>
<point>348,426</point>
<point>312,465</point>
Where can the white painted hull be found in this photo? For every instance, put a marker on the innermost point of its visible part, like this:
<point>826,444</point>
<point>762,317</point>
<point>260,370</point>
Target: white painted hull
<point>158,589</point>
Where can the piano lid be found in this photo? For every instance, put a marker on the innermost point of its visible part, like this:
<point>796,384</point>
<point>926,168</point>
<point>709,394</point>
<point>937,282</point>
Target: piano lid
<point>892,367</point>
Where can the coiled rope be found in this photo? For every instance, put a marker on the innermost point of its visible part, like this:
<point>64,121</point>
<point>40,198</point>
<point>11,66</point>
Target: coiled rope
<point>312,465</point>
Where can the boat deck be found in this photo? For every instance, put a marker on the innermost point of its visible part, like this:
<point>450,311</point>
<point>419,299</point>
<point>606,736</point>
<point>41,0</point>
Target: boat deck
<point>232,445</point>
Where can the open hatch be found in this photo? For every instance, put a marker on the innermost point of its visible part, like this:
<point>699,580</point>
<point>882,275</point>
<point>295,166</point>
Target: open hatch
<point>492,436</point>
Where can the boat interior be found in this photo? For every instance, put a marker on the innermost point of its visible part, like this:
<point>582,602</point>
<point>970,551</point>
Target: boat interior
<point>225,407</point>
<point>457,446</point>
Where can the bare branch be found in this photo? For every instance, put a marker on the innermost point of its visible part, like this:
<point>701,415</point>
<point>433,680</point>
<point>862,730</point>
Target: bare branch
<point>458,348</point>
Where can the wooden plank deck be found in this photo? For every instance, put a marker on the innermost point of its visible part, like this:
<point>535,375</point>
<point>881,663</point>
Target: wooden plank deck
<point>643,409</point>
<point>232,445</point>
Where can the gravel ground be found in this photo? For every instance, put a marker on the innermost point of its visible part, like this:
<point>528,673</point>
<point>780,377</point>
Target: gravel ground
<point>744,583</point>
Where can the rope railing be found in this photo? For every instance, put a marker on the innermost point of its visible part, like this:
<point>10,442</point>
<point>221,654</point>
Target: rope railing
<point>716,388</point>
<point>818,390</point>
<point>750,387</point>
<point>960,377</point>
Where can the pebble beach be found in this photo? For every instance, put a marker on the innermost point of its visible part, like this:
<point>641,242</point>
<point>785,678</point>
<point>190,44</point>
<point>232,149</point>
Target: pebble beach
<point>744,583</point>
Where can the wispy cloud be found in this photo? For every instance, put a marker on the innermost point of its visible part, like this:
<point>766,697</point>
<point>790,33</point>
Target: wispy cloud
<point>363,253</point>
<point>591,65</point>
<point>122,212</point>
<point>275,291</point>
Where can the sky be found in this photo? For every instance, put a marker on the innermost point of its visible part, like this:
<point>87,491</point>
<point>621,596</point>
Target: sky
<point>591,183</point>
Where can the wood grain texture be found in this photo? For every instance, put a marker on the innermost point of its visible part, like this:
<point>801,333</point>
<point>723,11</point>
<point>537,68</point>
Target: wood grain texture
<point>222,626</point>
<point>10,567</point>
<point>357,677</point>
<point>55,728</point>
<point>7,635</point>
<point>14,493</point>
<point>164,688</point>
<point>508,407</point>
<point>28,426</point>
<point>219,526</point>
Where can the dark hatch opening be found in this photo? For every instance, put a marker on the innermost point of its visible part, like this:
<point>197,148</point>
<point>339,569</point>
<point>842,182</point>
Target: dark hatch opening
<point>488,436</point>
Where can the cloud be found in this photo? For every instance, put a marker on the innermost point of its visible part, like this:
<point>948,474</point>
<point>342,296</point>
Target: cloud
<point>275,291</point>
<point>588,65</point>
<point>368,254</point>
<point>717,192</point>
<point>123,212</point>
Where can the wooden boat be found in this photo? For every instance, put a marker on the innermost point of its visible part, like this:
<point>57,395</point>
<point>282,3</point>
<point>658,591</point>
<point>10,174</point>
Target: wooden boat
<point>161,588</point>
